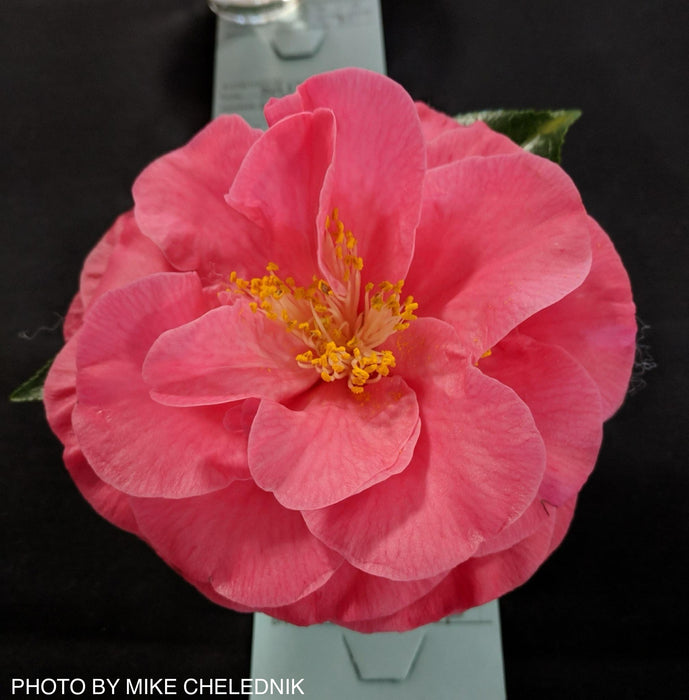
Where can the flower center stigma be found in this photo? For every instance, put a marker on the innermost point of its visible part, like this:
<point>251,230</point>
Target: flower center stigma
<point>342,331</point>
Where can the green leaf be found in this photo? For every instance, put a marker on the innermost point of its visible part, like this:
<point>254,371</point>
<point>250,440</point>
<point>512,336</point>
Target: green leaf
<point>32,389</point>
<point>539,131</point>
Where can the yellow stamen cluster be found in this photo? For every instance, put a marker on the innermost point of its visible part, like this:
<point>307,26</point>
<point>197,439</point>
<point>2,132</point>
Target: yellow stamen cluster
<point>341,339</point>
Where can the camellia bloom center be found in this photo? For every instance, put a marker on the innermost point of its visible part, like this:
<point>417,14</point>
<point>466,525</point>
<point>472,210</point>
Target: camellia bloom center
<point>341,332</point>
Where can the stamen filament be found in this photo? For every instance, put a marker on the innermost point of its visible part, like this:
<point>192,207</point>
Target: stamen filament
<point>341,341</point>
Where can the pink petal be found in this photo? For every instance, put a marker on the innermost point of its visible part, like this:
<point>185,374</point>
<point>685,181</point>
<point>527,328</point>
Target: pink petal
<point>111,504</point>
<point>278,108</point>
<point>121,256</point>
<point>433,122</point>
<point>59,398</point>
<point>379,162</point>
<point>351,595</point>
<point>565,404</point>
<point>468,141</point>
<point>131,257</point>
<point>74,318</point>
<point>563,519</point>
<point>92,271</point>
<point>500,239</point>
<point>130,441</point>
<point>254,552</point>
<point>207,589</point>
<point>473,583</point>
<point>59,391</point>
<point>180,202</point>
<point>278,188</point>
<point>227,354</point>
<point>477,466</point>
<point>96,261</point>
<point>524,526</point>
<point>447,140</point>
<point>330,443</point>
<point>596,322</point>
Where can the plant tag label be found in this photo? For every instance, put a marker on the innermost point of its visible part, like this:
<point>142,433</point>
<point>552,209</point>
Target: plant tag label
<point>458,658</point>
<point>255,63</point>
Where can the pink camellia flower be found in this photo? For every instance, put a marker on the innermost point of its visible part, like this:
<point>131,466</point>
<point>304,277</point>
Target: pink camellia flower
<point>353,368</point>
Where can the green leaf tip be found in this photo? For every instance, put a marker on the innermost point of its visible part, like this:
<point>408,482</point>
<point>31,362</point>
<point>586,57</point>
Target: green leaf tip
<point>538,131</point>
<point>32,389</point>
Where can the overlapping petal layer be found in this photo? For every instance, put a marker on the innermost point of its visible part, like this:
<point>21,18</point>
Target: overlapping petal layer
<point>121,256</point>
<point>379,163</point>
<point>133,443</point>
<point>447,141</point>
<point>227,354</point>
<point>596,323</point>
<point>60,395</point>
<point>480,579</point>
<point>285,206</point>
<point>564,402</point>
<point>180,202</point>
<point>354,596</point>
<point>329,444</point>
<point>461,486</point>
<point>250,542</point>
<point>534,253</point>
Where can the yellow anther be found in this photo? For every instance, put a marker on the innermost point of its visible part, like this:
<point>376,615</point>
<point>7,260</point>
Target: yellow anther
<point>487,353</point>
<point>359,374</point>
<point>341,330</point>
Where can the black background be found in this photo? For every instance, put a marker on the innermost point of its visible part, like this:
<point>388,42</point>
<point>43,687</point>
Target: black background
<point>93,90</point>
